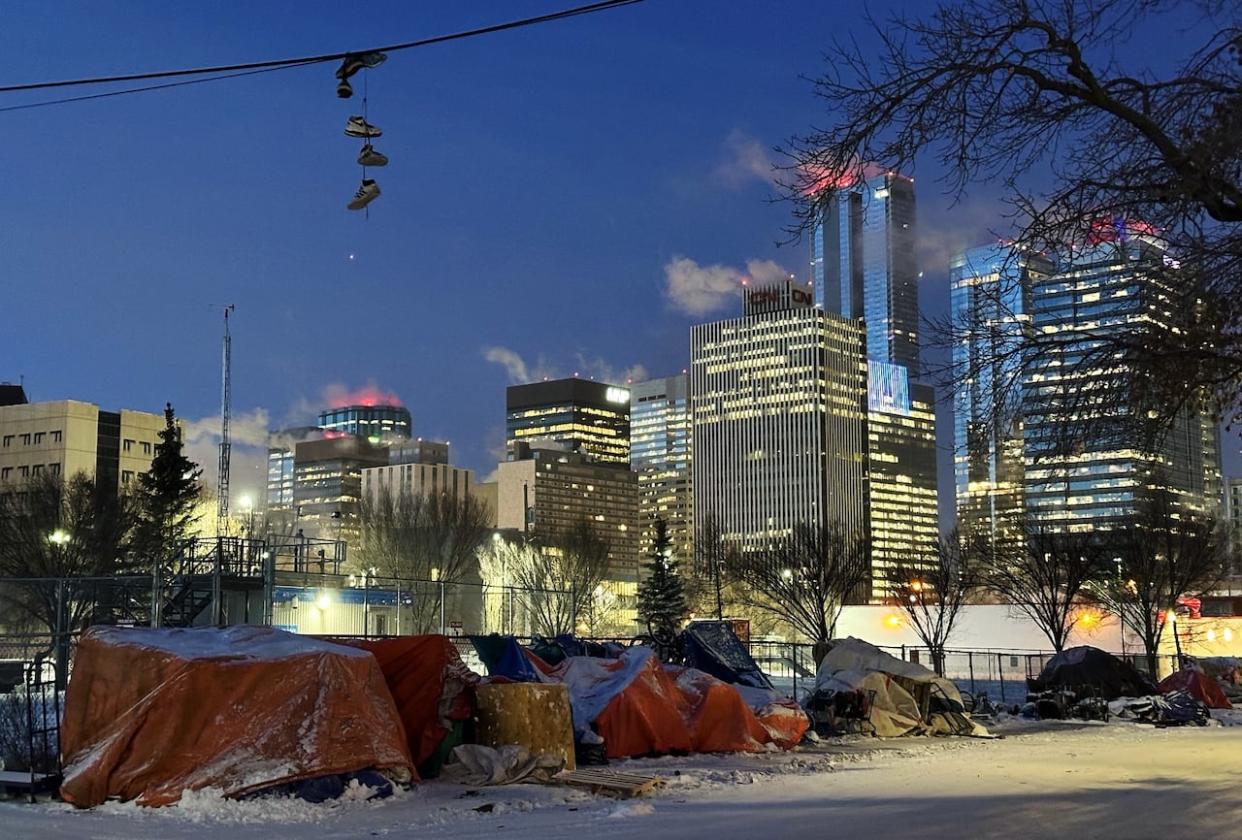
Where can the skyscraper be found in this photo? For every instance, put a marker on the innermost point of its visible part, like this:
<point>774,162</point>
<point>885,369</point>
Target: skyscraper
<point>1090,445</point>
<point>989,303</point>
<point>779,426</point>
<point>902,508</point>
<point>660,454</point>
<point>863,263</point>
<point>590,418</point>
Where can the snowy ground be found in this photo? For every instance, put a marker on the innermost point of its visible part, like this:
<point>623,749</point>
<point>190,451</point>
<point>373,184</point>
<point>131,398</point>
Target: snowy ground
<point>1041,780</point>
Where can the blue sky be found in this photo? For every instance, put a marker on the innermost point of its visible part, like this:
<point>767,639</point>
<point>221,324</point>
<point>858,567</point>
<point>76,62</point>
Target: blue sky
<point>540,183</point>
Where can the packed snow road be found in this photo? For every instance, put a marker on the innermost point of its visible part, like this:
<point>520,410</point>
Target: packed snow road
<point>1084,781</point>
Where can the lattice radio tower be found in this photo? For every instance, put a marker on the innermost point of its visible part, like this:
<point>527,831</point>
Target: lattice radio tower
<point>222,482</point>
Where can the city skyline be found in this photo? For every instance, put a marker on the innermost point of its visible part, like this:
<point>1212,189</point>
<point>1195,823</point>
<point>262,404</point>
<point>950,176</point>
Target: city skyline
<point>684,218</point>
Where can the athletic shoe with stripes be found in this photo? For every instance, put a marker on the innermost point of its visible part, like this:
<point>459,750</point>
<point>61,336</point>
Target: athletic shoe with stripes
<point>367,193</point>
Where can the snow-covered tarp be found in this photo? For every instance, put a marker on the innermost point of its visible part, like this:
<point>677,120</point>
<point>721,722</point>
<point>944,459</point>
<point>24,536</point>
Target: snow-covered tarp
<point>906,698</point>
<point>150,714</point>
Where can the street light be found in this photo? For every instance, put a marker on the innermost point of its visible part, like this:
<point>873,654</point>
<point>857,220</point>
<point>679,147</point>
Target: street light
<point>59,537</point>
<point>247,505</point>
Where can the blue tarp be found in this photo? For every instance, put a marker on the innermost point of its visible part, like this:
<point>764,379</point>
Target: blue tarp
<point>712,646</point>
<point>503,657</point>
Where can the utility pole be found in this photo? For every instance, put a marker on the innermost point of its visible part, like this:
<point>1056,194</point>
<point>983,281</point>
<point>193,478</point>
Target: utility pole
<point>222,483</point>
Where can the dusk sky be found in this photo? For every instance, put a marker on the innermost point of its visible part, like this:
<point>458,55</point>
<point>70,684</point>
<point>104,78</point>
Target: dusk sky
<point>556,201</point>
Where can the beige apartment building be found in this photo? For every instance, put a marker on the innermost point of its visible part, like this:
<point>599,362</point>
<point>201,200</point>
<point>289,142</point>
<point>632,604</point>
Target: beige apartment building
<point>67,437</point>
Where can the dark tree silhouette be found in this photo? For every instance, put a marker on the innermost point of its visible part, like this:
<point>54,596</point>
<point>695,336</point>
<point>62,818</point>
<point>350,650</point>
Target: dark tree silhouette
<point>931,591</point>
<point>661,594</point>
<point>1046,576</point>
<point>1162,554</point>
<point>1040,98</point>
<point>166,495</point>
<point>806,579</point>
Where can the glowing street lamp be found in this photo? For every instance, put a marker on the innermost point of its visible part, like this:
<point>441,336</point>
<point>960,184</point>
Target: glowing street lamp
<point>59,537</point>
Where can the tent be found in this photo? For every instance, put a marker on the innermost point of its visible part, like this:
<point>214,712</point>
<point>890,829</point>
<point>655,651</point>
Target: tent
<point>712,646</point>
<point>1198,685</point>
<point>631,702</point>
<point>718,718</point>
<point>150,714</point>
<point>432,688</point>
<point>904,697</point>
<point>1092,669</point>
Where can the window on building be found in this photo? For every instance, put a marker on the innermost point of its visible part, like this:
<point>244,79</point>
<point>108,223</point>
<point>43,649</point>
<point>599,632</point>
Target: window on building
<point>127,445</point>
<point>146,447</point>
<point>57,436</point>
<point>24,471</point>
<point>26,439</point>
<point>8,441</point>
<point>127,476</point>
<point>54,469</point>
<point>37,469</point>
<point>5,472</point>
<point>38,438</point>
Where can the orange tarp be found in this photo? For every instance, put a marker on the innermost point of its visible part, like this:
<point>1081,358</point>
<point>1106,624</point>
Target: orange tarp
<point>648,716</point>
<point>718,717</point>
<point>1198,685</point>
<point>430,684</point>
<point>150,714</point>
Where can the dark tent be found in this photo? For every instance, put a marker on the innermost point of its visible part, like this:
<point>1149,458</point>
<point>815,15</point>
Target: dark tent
<point>713,647</point>
<point>1089,670</point>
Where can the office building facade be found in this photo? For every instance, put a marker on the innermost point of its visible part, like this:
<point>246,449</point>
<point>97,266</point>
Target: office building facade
<point>903,507</point>
<point>377,423</point>
<point>69,437</point>
<point>777,403</point>
<point>1090,446</point>
<point>990,290</point>
<point>327,485</point>
<point>578,415</point>
<point>660,455</point>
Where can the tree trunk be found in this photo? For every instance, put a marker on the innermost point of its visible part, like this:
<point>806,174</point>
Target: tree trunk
<point>819,650</point>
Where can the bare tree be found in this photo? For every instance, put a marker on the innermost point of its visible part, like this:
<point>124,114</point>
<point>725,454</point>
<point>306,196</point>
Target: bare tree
<point>931,591</point>
<point>1039,97</point>
<point>561,580</point>
<point>806,578</point>
<point>62,542</point>
<point>1046,576</point>
<point>422,543</point>
<point>711,558</point>
<point>1163,554</point>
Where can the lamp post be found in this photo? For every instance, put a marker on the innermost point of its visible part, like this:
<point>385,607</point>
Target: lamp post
<point>247,506</point>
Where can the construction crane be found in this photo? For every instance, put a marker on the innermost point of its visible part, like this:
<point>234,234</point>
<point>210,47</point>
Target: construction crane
<point>222,481</point>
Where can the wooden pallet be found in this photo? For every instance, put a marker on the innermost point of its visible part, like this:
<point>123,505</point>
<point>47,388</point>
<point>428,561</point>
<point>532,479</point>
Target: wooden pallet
<point>610,782</point>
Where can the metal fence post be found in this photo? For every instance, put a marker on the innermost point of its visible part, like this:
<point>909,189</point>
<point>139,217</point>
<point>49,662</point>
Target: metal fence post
<point>398,606</point>
<point>1000,671</point>
<point>441,608</point>
<point>970,661</point>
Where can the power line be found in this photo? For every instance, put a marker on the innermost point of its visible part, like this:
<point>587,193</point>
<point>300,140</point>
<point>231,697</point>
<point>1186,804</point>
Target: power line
<point>232,70</point>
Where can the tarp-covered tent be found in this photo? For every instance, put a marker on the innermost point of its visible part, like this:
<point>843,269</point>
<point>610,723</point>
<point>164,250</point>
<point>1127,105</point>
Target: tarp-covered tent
<point>430,684</point>
<point>634,705</point>
<point>712,646</point>
<point>640,707</point>
<point>905,698</point>
<point>504,656</point>
<point>718,718</point>
<point>1198,685</point>
<point>150,714</point>
<point>1088,668</point>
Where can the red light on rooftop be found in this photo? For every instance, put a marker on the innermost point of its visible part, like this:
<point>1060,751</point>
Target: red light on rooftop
<point>338,396</point>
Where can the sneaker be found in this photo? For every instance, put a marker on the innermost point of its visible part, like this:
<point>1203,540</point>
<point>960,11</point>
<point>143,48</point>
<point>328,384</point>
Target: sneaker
<point>367,193</point>
<point>370,157</point>
<point>344,90</point>
<point>356,61</point>
<point>358,127</point>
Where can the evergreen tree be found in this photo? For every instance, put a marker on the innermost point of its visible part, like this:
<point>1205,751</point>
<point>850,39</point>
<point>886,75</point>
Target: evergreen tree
<point>662,595</point>
<point>167,494</point>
